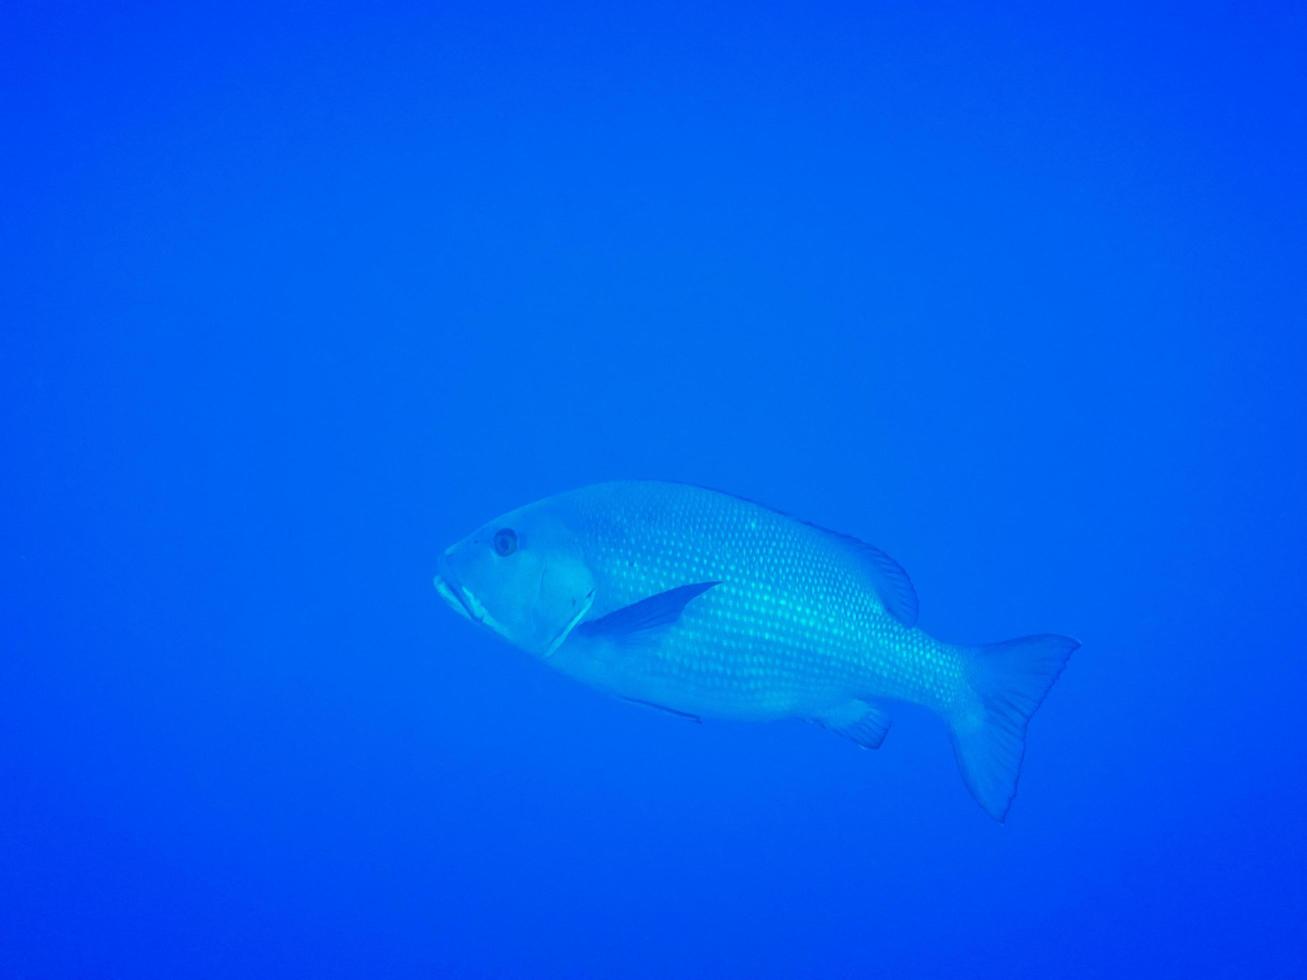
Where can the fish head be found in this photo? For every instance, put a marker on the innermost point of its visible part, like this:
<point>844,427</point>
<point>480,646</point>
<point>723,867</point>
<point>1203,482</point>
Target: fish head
<point>523,575</point>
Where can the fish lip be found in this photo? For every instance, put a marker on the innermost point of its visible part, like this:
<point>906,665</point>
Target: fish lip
<point>456,594</point>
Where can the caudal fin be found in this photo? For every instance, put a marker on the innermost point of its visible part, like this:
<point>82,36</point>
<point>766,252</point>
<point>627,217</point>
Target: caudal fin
<point>1010,680</point>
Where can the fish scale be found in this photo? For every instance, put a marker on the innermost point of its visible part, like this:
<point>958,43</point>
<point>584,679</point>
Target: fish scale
<point>794,626</point>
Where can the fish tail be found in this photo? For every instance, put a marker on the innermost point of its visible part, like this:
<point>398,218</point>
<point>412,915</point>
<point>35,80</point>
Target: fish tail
<point>1009,680</point>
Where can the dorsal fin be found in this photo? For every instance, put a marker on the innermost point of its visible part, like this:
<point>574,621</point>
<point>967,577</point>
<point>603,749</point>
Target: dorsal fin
<point>891,582</point>
<point>888,578</point>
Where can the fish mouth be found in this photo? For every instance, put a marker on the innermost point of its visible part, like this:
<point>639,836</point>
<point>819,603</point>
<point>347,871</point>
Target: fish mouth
<point>454,596</point>
<point>457,595</point>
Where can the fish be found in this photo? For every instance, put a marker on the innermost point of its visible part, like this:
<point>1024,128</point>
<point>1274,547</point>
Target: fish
<point>708,605</point>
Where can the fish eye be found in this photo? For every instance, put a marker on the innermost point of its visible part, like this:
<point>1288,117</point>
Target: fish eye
<point>505,542</point>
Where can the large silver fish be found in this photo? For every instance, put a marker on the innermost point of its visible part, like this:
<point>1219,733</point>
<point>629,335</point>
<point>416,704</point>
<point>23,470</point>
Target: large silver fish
<point>708,605</point>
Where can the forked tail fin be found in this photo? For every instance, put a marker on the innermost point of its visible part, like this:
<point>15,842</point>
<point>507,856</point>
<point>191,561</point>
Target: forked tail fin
<point>1010,680</point>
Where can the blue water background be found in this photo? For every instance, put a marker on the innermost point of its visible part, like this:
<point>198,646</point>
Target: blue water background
<point>293,297</point>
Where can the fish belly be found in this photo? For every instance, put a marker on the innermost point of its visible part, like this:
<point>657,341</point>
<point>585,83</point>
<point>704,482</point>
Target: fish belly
<point>765,671</point>
<point>697,668</point>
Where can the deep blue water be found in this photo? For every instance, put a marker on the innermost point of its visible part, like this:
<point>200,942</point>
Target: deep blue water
<point>292,299</point>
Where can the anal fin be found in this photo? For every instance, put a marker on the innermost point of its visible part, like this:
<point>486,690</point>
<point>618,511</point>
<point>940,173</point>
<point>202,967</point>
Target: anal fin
<point>859,721</point>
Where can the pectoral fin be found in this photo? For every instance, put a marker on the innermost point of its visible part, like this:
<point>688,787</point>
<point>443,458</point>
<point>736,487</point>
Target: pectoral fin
<point>644,618</point>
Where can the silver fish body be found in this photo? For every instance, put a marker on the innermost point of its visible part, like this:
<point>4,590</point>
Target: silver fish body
<point>710,605</point>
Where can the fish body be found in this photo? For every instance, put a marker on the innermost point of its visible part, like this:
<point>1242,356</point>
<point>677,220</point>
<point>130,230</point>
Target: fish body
<point>712,606</point>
